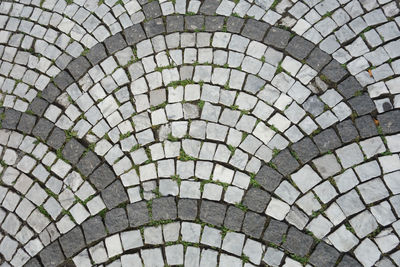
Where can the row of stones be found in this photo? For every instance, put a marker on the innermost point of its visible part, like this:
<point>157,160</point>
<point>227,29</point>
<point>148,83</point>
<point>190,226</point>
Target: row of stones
<point>212,213</point>
<point>255,200</point>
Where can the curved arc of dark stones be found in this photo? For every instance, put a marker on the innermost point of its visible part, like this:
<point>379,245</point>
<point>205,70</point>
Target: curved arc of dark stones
<point>253,29</point>
<point>164,210</point>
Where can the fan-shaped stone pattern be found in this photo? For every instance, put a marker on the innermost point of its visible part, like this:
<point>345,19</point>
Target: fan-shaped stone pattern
<point>346,131</point>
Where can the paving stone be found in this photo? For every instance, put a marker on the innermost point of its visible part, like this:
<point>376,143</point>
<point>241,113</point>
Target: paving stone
<point>187,209</point>
<point>134,34</point>
<point>72,151</point>
<point>362,104</point>
<point>115,43</point>
<point>214,23</point>
<point>297,242</point>
<point>88,163</point>
<point>254,29</point>
<point>388,122</point>
<point>318,59</point>
<point>327,140</point>
<point>63,80</point>
<point>285,162</point>
<point>349,87</point>
<point>233,218</point>
<point>234,24</point>
<point>348,261</point>
<point>174,23</point>
<point>138,214</point>
<point>277,37</point>
<point>77,68</point>
<point>275,232</point>
<point>305,150</point>
<point>152,10</point>
<point>97,54</point>
<point>26,123</point>
<point>114,195</point>
<point>164,209</point>
<point>299,47</point>
<point>51,92</point>
<point>253,224</point>
<point>116,220</point>
<point>42,129</point>
<point>212,212</point>
<point>94,229</point>
<point>366,126</point>
<point>11,118</point>
<point>51,255</point>
<point>256,199</point>
<point>347,131</point>
<point>102,177</point>
<point>72,242</point>
<point>193,23</point>
<point>268,178</point>
<point>324,255</point>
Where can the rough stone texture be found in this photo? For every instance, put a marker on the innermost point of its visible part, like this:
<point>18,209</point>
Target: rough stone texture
<point>366,126</point>
<point>253,224</point>
<point>275,232</point>
<point>93,229</point>
<point>318,59</point>
<point>299,47</point>
<point>305,150</point>
<point>233,218</point>
<point>72,151</point>
<point>97,53</point>
<point>116,220</point>
<point>77,68</point>
<point>285,162</point>
<point>349,87</point>
<point>213,213</point>
<point>298,242</point>
<point>51,255</point>
<point>255,30</point>
<point>102,177</point>
<point>256,199</point>
<point>164,209</point>
<point>187,209</point>
<point>390,122</point>
<point>114,195</point>
<point>72,242</point>
<point>277,37</point>
<point>334,71</point>
<point>324,255</point>
<point>134,34</point>
<point>138,214</point>
<point>268,178</point>
<point>362,104</point>
<point>88,163</point>
<point>327,140</point>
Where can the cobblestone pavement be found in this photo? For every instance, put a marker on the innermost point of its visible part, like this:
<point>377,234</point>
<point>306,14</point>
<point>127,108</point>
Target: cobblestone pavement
<point>200,133</point>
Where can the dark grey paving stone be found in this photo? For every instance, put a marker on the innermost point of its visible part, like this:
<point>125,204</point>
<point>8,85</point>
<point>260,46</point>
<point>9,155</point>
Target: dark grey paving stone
<point>97,53</point>
<point>305,149</point>
<point>102,177</point>
<point>43,128</point>
<point>366,126</point>
<point>63,80</point>
<point>51,92</point>
<point>116,220</point>
<point>324,255</point>
<point>318,59</point>
<point>275,232</point>
<point>174,23</point>
<point>327,140</point>
<point>362,104</point>
<point>298,242</point>
<point>34,262</point>
<point>347,131</point>
<point>214,23</point>
<point>26,123</point>
<point>255,30</point>
<point>154,27</point>
<point>268,178</point>
<point>88,163</point>
<point>256,199</point>
<point>285,162</point>
<point>72,242</point>
<point>11,119</point>
<point>193,23</point>
<point>349,87</point>
<point>234,218</point>
<point>138,214</point>
<point>212,212</point>
<point>94,229</point>
<point>78,67</point>
<point>134,34</point>
<point>164,209</point>
<point>234,24</point>
<point>187,209</point>
<point>152,10</point>
<point>115,43</point>
<point>209,7</point>
<point>72,151</point>
<point>277,37</point>
<point>334,71</point>
<point>390,122</point>
<point>114,194</point>
<point>38,106</point>
<point>299,47</point>
<point>56,138</point>
<point>253,224</point>
<point>51,255</point>
<point>348,261</point>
